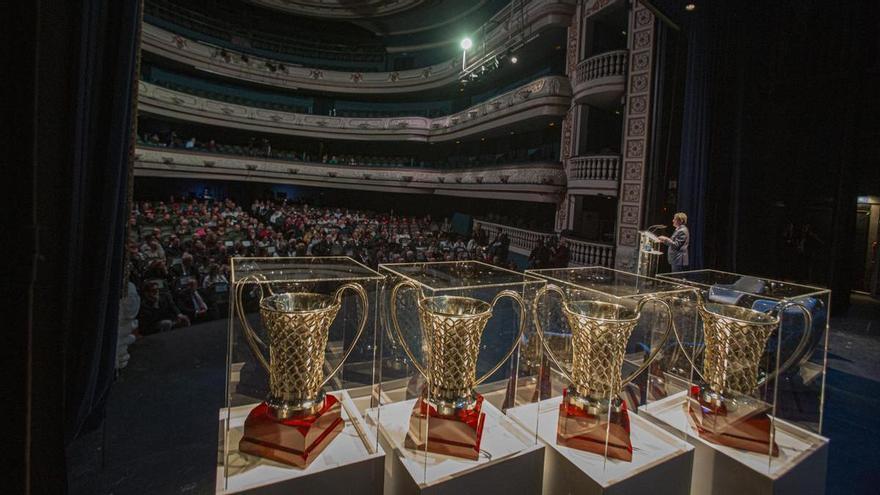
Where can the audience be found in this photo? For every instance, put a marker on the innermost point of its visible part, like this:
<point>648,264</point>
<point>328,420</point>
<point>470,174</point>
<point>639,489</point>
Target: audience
<point>179,251</point>
<point>264,148</point>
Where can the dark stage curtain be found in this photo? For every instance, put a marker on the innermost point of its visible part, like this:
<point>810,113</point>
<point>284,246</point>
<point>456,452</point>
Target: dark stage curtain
<point>71,104</point>
<point>694,162</point>
<point>97,211</point>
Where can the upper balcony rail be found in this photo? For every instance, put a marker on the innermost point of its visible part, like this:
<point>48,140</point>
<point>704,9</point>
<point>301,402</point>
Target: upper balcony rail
<point>594,167</point>
<point>581,253</point>
<point>547,96</point>
<point>608,64</point>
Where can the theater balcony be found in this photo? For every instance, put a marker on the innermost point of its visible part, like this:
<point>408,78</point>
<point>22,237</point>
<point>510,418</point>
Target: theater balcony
<point>600,80</point>
<point>594,174</point>
<point>284,74</point>
<point>544,99</point>
<point>582,253</point>
<point>183,46</point>
<point>537,181</point>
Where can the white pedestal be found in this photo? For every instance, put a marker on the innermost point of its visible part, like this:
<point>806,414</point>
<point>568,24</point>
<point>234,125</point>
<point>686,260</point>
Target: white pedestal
<point>351,464</point>
<point>510,461</point>
<point>719,470</point>
<point>661,463</point>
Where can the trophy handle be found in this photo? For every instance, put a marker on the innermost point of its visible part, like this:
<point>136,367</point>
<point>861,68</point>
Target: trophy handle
<point>805,338</point>
<point>522,327</point>
<point>362,294</point>
<point>253,341</point>
<point>656,352</point>
<point>543,291</point>
<point>396,326</point>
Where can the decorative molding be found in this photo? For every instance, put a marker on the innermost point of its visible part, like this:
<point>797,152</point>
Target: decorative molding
<point>525,182</point>
<point>591,7</point>
<point>547,96</point>
<point>630,213</point>
<point>567,140</point>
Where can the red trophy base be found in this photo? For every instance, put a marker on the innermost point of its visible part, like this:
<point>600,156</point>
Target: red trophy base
<point>295,441</point>
<point>748,430</point>
<point>582,430</point>
<point>457,434</point>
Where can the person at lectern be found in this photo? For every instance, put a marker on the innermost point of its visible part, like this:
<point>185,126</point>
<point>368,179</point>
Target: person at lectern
<point>678,243</point>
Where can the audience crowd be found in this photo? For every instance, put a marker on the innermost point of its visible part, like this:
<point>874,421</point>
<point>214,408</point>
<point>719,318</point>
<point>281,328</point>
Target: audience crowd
<point>263,148</point>
<point>179,251</point>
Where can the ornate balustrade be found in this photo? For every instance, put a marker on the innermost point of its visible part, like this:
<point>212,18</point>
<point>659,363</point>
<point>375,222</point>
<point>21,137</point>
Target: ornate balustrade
<point>537,15</point>
<point>582,253</point>
<point>547,96</point>
<point>538,181</point>
<point>522,241</point>
<point>608,64</point>
<point>601,80</point>
<point>594,167</point>
<point>594,174</point>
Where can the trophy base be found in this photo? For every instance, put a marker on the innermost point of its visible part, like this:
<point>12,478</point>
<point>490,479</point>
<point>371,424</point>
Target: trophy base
<point>750,430</point>
<point>295,441</point>
<point>457,434</point>
<point>579,429</point>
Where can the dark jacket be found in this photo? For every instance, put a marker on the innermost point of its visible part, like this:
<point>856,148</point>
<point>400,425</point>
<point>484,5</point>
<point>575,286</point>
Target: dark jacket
<point>151,314</point>
<point>678,243</point>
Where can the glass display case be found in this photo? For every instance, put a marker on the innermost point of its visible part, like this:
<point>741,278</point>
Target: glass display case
<point>614,344</point>
<point>759,373</point>
<point>302,339</point>
<point>451,365</point>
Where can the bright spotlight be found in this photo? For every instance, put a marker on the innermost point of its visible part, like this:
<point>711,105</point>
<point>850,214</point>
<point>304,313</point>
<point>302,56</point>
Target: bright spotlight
<point>513,59</point>
<point>466,44</point>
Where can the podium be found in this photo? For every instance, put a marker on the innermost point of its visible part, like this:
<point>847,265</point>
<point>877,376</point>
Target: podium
<point>649,254</point>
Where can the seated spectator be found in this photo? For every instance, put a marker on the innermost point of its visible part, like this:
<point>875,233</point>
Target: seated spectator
<point>184,270</point>
<point>158,313</point>
<point>540,256</point>
<point>214,276</point>
<point>192,303</point>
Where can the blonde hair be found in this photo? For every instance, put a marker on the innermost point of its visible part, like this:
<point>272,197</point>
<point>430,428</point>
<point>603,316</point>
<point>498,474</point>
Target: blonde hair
<point>682,217</point>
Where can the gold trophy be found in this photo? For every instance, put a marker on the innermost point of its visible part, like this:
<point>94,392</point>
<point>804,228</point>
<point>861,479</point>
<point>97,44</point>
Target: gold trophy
<point>592,416</point>
<point>297,421</point>
<point>449,418</point>
<point>723,408</point>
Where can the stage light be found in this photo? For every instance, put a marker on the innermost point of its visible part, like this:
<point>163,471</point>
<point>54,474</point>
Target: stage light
<point>513,59</point>
<point>466,44</point>
<point>690,7</point>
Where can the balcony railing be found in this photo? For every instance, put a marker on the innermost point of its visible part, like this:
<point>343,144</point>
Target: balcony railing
<point>582,253</point>
<point>522,241</point>
<point>608,64</point>
<point>546,96</point>
<point>601,80</point>
<point>537,182</point>
<point>594,167</point>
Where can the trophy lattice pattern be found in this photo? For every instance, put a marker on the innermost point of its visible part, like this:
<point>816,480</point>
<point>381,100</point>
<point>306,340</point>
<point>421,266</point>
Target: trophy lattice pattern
<point>296,351</point>
<point>455,347</point>
<point>734,348</point>
<point>599,346</point>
